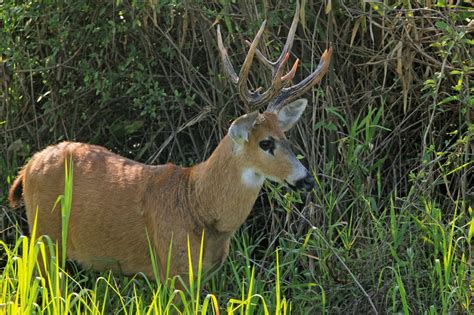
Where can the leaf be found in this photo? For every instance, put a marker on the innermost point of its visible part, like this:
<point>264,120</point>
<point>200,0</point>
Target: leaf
<point>319,124</point>
<point>134,126</point>
<point>354,30</point>
<point>326,125</point>
<point>460,168</point>
<point>471,226</point>
<point>449,99</point>
<point>302,14</point>
<point>330,126</point>
<point>458,86</point>
<point>442,25</point>
<point>334,111</point>
<point>328,6</point>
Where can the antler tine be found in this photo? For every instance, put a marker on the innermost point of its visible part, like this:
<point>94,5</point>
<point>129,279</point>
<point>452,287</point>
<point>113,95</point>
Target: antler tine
<point>287,95</point>
<point>290,38</point>
<point>290,75</point>
<point>249,97</point>
<point>274,66</point>
<point>225,58</point>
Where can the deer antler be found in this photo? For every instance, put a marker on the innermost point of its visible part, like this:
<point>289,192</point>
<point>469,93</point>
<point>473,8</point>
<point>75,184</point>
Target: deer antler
<point>289,94</point>
<point>277,95</point>
<point>254,98</point>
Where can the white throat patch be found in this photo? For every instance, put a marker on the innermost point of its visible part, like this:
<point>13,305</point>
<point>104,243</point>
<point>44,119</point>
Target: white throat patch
<point>251,178</point>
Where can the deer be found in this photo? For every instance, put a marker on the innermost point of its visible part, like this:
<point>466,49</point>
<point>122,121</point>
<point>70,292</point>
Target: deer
<point>124,211</point>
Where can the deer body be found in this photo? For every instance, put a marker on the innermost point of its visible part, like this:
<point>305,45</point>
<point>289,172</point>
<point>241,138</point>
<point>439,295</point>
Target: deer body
<point>117,201</point>
<point>122,208</point>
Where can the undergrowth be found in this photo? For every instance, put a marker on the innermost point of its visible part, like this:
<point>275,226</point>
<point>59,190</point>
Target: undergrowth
<point>408,252</point>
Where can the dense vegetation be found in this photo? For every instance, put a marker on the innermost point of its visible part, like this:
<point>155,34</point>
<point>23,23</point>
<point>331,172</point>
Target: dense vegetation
<point>389,139</point>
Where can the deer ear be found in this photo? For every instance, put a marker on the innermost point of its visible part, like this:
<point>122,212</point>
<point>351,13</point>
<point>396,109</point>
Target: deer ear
<point>240,129</point>
<point>289,114</point>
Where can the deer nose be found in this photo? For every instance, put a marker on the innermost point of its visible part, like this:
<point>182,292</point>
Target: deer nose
<point>306,182</point>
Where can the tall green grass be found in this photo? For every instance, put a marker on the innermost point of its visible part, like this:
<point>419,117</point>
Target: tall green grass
<point>409,252</point>
<point>60,291</point>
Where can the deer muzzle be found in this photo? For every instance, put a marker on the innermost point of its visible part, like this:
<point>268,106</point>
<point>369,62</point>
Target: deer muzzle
<point>307,183</point>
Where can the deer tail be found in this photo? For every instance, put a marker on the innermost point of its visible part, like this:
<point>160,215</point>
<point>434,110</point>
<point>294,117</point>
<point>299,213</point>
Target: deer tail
<point>16,191</point>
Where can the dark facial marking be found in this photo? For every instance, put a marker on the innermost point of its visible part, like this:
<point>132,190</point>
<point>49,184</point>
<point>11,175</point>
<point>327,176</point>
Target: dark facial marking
<point>268,145</point>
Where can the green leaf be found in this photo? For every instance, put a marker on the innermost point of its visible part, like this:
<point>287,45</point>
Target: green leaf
<point>442,25</point>
<point>471,225</point>
<point>335,112</point>
<point>449,99</point>
<point>134,126</point>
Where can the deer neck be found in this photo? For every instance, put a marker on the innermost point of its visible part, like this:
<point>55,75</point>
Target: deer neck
<point>224,189</point>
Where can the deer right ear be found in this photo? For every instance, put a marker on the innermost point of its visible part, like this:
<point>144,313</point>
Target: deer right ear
<point>289,114</point>
<point>240,129</point>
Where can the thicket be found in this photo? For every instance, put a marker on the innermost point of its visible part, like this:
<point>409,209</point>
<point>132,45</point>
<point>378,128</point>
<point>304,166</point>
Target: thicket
<point>388,135</point>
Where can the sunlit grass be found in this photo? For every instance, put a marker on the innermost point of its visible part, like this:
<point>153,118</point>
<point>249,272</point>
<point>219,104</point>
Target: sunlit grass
<point>25,291</point>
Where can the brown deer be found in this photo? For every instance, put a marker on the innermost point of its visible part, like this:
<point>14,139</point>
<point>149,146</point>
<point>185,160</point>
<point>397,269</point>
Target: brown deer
<point>121,207</point>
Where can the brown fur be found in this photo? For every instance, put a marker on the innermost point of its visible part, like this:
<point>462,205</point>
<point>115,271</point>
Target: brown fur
<point>15,193</point>
<point>117,202</point>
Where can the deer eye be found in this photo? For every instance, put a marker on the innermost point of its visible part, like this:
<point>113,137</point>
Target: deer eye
<point>267,145</point>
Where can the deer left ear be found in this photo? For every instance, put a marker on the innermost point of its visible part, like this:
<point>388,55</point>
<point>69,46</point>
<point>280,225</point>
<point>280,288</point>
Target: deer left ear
<point>289,114</point>
<point>240,129</point>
